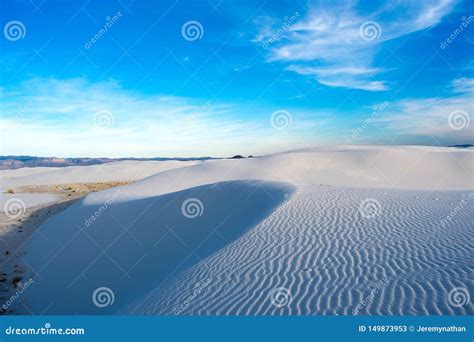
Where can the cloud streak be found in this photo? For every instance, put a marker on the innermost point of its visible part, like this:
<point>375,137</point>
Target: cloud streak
<point>337,44</point>
<point>52,117</point>
<point>438,120</point>
<point>74,117</point>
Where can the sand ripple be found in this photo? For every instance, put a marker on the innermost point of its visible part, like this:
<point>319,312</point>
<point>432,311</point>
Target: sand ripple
<point>326,258</point>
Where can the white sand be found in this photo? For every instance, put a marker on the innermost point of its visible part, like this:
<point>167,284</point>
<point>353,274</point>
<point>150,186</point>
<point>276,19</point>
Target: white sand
<point>116,171</point>
<point>25,171</point>
<point>28,199</point>
<point>246,243</point>
<point>394,167</point>
<point>132,251</point>
<point>331,259</point>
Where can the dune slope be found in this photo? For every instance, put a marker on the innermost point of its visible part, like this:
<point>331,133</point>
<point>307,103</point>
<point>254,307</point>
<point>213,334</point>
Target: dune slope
<point>387,167</point>
<point>363,219</point>
<point>318,255</point>
<point>132,246</point>
<point>116,171</point>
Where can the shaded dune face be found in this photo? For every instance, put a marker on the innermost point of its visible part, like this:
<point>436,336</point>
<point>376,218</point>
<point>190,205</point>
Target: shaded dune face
<point>133,246</point>
<point>324,252</point>
<point>115,171</point>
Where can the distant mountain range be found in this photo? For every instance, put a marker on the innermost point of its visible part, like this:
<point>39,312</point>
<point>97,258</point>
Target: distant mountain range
<point>16,162</point>
<point>462,146</point>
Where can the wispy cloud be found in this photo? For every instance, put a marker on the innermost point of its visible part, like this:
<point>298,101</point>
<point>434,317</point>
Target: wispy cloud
<point>337,44</point>
<point>75,117</point>
<point>463,85</point>
<point>355,77</point>
<point>447,119</point>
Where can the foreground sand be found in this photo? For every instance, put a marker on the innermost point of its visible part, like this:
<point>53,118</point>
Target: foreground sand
<point>16,230</point>
<point>340,230</point>
<point>321,253</point>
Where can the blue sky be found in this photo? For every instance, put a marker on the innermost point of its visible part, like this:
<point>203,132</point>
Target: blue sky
<point>200,78</point>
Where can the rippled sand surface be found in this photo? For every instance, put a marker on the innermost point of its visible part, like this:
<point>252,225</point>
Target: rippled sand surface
<point>337,251</point>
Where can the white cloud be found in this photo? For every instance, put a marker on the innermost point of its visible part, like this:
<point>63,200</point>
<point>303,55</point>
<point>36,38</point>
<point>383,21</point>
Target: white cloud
<point>463,85</point>
<point>432,119</point>
<point>337,44</point>
<point>352,76</point>
<point>51,117</point>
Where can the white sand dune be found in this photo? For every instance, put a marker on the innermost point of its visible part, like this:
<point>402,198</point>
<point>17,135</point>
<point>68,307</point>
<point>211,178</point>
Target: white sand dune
<point>327,259</point>
<point>388,167</point>
<point>28,199</point>
<point>116,171</point>
<point>134,246</point>
<point>25,171</point>
<point>316,247</point>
